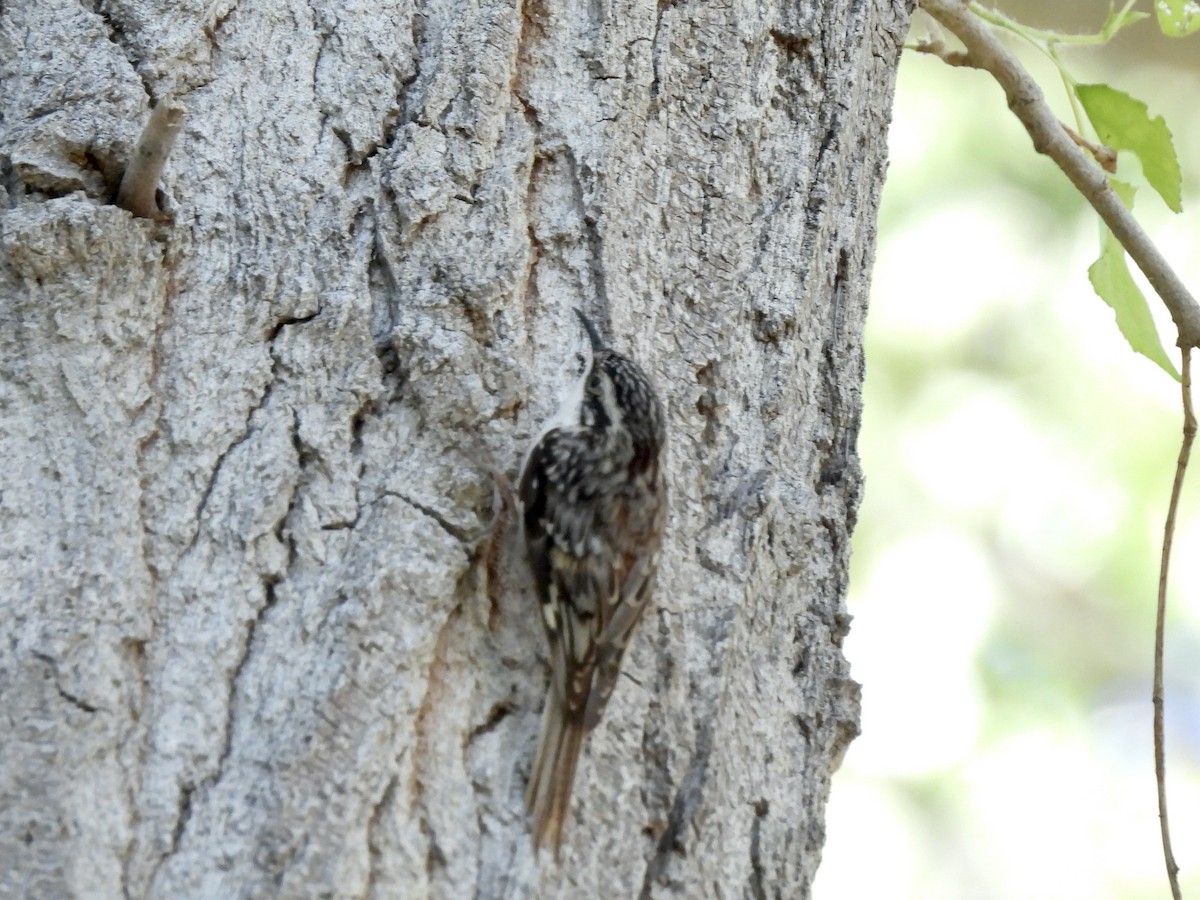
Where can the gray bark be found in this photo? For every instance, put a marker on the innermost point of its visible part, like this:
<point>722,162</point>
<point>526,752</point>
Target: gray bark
<point>265,629</point>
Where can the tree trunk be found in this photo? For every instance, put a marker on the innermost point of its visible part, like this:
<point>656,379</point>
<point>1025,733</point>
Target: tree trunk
<point>266,630</point>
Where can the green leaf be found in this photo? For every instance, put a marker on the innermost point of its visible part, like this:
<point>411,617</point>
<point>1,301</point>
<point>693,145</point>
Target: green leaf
<point>1125,192</point>
<point>1178,18</point>
<point>1110,279</point>
<point>1124,123</point>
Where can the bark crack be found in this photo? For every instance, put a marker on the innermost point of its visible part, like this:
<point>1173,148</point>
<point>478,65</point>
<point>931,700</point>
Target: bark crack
<point>420,50</point>
<point>591,234</point>
<point>248,431</point>
<point>756,884</point>
<point>687,798</point>
<point>374,852</point>
<point>188,790</point>
<point>119,38</point>
<point>456,532</point>
<point>497,714</point>
<point>75,700</point>
<point>656,81</point>
<point>435,685</point>
<point>290,320</point>
<point>157,427</point>
<point>181,821</point>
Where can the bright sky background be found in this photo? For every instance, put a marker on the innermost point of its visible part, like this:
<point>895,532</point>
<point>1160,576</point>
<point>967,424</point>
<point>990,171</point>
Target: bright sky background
<point>1018,458</point>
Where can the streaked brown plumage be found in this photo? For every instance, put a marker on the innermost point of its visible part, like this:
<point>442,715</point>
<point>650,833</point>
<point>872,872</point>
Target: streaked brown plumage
<point>594,506</point>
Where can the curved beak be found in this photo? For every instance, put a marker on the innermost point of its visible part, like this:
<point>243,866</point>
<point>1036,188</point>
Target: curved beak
<point>593,334</point>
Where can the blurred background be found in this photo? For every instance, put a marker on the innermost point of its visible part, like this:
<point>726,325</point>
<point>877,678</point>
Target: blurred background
<point>1019,458</point>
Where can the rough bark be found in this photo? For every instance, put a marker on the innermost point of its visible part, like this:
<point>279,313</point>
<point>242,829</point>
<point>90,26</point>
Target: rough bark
<point>257,638</point>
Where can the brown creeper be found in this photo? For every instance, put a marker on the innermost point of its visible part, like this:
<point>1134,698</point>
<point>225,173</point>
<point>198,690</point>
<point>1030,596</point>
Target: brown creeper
<point>594,505</point>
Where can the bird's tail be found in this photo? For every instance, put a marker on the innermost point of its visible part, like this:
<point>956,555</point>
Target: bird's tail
<point>549,794</point>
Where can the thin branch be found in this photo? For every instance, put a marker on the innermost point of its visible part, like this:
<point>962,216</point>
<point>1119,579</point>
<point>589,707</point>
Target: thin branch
<point>1160,752</point>
<point>937,47</point>
<point>1103,154</point>
<point>1070,152</point>
<point>1039,37</point>
<point>139,186</point>
<point>1050,137</point>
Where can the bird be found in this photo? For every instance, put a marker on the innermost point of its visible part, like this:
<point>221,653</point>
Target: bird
<point>593,502</point>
